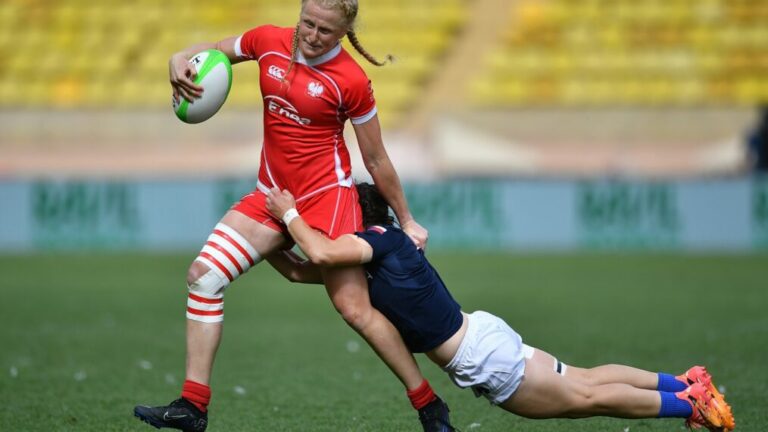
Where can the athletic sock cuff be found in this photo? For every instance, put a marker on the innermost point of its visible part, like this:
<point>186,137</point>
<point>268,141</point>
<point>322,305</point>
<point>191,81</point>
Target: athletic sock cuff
<point>670,383</point>
<point>198,394</point>
<point>673,406</point>
<point>421,395</point>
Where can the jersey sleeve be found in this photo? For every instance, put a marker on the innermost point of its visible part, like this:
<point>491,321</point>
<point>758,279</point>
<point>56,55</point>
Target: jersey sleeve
<point>360,103</point>
<point>255,42</point>
<point>382,240</point>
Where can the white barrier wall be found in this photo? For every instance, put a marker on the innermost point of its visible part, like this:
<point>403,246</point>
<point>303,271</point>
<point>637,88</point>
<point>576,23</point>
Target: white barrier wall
<point>701,215</point>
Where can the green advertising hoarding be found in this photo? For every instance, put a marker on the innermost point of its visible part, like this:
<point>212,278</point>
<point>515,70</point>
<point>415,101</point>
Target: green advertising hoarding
<point>466,214</point>
<point>81,214</point>
<point>623,214</point>
<point>460,214</point>
<point>760,213</point>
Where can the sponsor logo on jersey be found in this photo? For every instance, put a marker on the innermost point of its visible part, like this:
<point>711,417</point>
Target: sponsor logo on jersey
<point>283,108</point>
<point>276,72</point>
<point>315,89</point>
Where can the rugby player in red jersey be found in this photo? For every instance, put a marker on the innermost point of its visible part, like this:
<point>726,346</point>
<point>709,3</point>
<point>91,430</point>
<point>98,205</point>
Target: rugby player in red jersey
<point>310,87</point>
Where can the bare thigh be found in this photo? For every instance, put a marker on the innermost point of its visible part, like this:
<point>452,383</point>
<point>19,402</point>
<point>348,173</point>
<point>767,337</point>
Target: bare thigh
<point>544,393</point>
<point>348,290</point>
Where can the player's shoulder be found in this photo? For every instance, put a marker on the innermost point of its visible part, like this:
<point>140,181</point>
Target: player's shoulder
<point>350,68</point>
<point>271,32</point>
<point>384,230</point>
<point>375,229</point>
<point>271,28</point>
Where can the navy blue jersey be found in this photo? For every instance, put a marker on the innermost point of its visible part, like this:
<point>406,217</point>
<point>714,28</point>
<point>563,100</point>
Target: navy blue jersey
<point>408,291</point>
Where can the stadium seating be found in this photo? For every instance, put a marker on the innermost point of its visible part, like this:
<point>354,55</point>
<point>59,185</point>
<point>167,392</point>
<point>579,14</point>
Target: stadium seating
<point>114,54</point>
<point>83,54</point>
<point>628,53</point>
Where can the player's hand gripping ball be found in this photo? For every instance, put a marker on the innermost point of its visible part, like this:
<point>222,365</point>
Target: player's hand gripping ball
<point>214,74</point>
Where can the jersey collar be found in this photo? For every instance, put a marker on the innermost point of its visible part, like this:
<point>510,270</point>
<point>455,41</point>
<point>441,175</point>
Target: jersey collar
<point>330,55</point>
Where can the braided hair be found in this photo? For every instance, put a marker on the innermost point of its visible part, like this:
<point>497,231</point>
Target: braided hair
<point>348,9</point>
<point>359,48</point>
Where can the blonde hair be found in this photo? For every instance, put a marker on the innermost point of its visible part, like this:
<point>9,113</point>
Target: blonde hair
<point>348,9</point>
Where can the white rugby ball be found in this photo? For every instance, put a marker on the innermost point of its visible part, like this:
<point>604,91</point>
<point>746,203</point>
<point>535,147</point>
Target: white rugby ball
<point>214,74</point>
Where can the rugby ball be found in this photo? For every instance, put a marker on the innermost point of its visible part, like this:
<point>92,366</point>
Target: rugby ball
<point>214,74</point>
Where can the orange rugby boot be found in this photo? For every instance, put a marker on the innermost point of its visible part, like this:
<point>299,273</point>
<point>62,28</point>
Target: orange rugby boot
<point>705,414</point>
<point>699,374</point>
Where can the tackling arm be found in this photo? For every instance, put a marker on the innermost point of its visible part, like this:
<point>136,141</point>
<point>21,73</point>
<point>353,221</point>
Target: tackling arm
<point>345,250</point>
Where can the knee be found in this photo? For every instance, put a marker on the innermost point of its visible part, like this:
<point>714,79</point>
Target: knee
<point>585,376</point>
<point>195,272</point>
<point>355,314</point>
<point>205,302</point>
<point>582,404</point>
<point>205,282</point>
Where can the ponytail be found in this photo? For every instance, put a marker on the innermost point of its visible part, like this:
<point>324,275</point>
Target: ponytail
<point>356,43</point>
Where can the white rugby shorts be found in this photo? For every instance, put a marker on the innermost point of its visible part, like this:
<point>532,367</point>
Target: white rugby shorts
<point>490,359</point>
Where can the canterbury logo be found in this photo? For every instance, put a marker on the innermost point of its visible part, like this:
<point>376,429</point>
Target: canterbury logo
<point>276,72</point>
<point>282,108</point>
<point>314,89</point>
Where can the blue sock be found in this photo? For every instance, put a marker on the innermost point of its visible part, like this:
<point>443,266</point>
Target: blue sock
<point>668,383</point>
<point>672,406</point>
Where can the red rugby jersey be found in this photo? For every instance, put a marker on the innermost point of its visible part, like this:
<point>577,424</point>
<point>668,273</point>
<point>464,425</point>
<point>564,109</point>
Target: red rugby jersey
<point>304,116</point>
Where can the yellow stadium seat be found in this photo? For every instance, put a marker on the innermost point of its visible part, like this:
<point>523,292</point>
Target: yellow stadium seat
<point>104,53</point>
<point>10,92</point>
<point>99,92</point>
<point>557,52</point>
<point>626,51</point>
<point>35,92</point>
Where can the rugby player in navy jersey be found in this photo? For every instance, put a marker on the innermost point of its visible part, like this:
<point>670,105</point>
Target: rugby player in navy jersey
<point>480,350</point>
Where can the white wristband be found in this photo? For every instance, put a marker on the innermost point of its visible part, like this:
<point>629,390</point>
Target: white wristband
<point>290,215</point>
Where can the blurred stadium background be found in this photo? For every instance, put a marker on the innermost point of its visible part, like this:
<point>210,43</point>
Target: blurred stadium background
<point>542,90</point>
<point>534,87</point>
<point>517,126</point>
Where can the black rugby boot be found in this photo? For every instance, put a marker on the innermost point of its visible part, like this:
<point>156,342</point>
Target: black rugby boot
<point>180,414</point>
<point>434,417</point>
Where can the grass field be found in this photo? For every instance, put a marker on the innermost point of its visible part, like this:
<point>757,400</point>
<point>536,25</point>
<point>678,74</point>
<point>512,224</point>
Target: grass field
<point>86,337</point>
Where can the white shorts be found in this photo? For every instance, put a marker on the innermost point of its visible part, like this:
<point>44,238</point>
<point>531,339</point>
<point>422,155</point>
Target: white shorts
<point>490,359</point>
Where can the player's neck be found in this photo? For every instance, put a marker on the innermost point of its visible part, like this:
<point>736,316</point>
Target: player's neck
<point>323,58</point>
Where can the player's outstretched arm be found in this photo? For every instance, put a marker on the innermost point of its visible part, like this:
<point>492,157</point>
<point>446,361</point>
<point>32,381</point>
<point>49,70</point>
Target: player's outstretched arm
<point>385,177</point>
<point>345,250</point>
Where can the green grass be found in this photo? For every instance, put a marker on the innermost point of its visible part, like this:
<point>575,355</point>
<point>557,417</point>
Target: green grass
<point>86,337</point>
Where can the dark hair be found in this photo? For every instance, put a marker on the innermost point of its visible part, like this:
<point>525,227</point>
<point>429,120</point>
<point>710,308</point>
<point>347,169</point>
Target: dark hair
<point>374,206</point>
